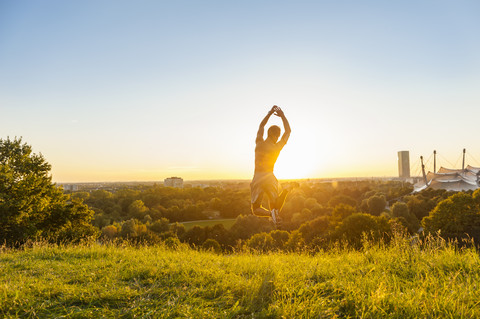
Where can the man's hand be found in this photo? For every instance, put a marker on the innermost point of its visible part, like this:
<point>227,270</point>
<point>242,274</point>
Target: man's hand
<point>278,111</point>
<point>273,109</point>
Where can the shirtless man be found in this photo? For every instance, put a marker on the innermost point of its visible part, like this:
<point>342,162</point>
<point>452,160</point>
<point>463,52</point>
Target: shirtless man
<point>266,154</point>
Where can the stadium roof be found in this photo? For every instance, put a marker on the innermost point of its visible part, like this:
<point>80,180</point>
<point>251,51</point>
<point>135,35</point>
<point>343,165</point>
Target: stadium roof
<point>452,179</point>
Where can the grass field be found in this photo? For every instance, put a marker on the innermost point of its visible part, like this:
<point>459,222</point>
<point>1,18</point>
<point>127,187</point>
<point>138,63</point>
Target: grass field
<point>88,281</point>
<point>228,223</point>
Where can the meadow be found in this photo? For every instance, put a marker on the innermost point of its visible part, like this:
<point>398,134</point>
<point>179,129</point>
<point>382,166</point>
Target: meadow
<point>432,279</point>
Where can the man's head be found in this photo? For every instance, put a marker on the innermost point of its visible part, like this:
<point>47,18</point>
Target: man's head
<point>274,133</point>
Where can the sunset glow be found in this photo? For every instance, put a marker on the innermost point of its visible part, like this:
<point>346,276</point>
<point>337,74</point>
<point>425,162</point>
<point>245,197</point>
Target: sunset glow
<point>124,91</point>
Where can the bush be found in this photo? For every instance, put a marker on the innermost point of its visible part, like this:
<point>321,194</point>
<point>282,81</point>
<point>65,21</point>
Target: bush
<point>400,210</point>
<point>195,236</point>
<point>261,242</point>
<point>212,245</point>
<point>317,228</point>
<point>341,211</point>
<point>160,226</point>
<point>357,226</point>
<point>246,226</point>
<point>172,242</point>
<point>110,231</point>
<point>280,238</point>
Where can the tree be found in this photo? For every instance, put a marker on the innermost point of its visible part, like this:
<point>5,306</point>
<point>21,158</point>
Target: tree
<point>342,211</point>
<point>358,226</point>
<point>458,216</point>
<point>400,210</point>
<point>246,226</point>
<point>195,236</point>
<point>342,199</point>
<point>317,228</point>
<point>376,204</point>
<point>137,209</point>
<point>160,226</point>
<point>31,206</point>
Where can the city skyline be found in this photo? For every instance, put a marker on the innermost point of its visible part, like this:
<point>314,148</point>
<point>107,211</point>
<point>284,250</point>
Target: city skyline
<point>124,91</point>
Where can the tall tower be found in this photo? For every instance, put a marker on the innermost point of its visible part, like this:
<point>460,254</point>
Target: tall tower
<point>404,164</point>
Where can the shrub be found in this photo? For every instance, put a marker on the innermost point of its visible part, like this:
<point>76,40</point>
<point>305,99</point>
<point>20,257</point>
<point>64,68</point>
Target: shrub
<point>280,238</point>
<point>211,245</point>
<point>261,242</point>
<point>357,226</point>
<point>110,231</point>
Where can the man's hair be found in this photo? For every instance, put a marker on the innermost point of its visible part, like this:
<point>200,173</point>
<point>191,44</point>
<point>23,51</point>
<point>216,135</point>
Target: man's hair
<point>274,131</point>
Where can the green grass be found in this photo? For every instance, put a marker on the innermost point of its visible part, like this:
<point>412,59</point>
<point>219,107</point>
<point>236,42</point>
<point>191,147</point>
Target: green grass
<point>228,223</point>
<point>85,281</point>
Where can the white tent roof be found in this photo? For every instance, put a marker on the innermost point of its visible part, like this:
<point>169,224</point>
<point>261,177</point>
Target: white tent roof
<point>452,179</point>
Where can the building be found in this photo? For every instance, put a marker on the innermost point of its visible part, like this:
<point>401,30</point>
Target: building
<point>70,187</point>
<point>404,164</point>
<point>173,182</point>
<point>451,179</point>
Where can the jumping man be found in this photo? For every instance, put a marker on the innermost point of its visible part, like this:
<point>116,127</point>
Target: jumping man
<point>266,154</point>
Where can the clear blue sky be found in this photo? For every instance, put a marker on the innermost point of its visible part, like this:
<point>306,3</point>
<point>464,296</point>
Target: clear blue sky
<point>144,90</point>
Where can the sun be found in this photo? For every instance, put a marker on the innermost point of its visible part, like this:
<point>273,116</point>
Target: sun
<point>298,161</point>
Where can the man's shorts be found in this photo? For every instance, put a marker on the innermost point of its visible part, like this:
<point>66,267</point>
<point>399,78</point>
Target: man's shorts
<point>264,183</point>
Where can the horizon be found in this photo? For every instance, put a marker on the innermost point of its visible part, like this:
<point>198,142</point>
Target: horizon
<point>187,181</point>
<point>123,91</point>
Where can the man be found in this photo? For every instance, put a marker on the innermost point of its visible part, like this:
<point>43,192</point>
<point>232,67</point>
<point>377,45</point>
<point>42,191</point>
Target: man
<point>266,154</point>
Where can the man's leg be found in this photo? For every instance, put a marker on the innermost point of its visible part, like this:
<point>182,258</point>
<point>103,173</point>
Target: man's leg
<point>272,200</point>
<point>281,200</point>
<point>259,210</point>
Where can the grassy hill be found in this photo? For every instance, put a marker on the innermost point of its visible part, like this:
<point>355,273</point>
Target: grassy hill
<point>84,281</point>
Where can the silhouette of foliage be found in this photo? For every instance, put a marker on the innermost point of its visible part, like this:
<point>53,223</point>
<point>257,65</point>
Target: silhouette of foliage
<point>31,206</point>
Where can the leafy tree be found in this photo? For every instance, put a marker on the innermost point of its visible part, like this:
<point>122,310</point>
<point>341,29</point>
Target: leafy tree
<point>129,229</point>
<point>400,210</point>
<point>220,234</point>
<point>160,226</point>
<point>376,204</point>
<point>137,209</point>
<point>342,199</point>
<point>195,236</point>
<point>458,216</point>
<point>31,206</point>
<point>178,229</point>
<point>420,206</point>
<point>357,226</point>
<point>342,211</point>
<point>246,226</point>
<point>301,217</point>
<point>317,228</point>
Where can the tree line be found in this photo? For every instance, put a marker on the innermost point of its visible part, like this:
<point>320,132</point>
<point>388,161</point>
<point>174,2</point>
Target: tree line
<point>316,214</point>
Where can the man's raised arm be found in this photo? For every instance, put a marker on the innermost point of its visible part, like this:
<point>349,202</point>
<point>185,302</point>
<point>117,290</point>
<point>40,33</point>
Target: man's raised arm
<point>286,125</point>
<point>261,129</point>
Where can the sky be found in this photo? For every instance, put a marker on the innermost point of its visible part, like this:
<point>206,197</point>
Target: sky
<point>145,90</point>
